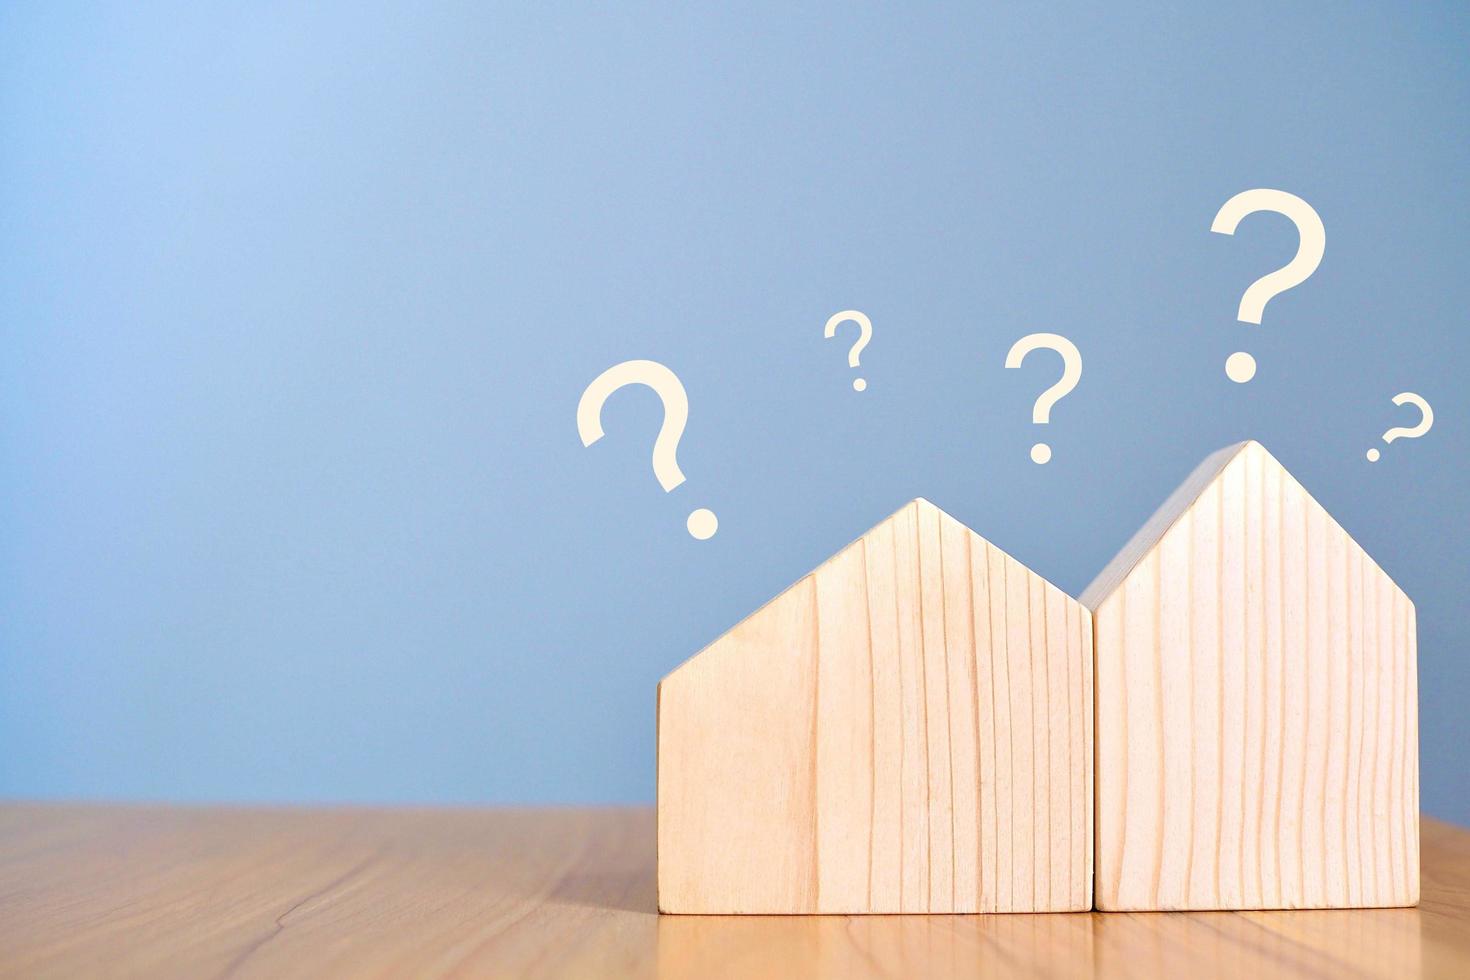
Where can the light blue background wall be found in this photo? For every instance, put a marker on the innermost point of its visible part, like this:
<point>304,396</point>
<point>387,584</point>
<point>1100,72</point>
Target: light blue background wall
<point>297,306</point>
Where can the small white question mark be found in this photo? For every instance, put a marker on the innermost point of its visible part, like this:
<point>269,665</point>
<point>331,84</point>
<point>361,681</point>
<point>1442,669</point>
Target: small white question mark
<point>865,326</point>
<point>1071,374</point>
<point>1400,432</point>
<point>1240,367</point>
<point>670,390</point>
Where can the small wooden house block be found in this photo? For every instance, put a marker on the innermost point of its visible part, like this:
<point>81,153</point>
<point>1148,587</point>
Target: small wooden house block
<point>1257,724</point>
<point>906,729</point>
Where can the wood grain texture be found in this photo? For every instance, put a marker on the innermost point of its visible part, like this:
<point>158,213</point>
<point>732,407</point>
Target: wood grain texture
<point>163,893</point>
<point>1257,734</point>
<point>906,729</point>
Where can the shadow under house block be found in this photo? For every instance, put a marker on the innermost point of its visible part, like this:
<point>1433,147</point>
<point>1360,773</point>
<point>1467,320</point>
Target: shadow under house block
<point>1257,723</point>
<point>906,729</point>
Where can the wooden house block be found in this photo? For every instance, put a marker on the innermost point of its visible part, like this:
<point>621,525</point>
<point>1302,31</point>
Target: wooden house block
<point>1257,725</point>
<point>906,729</point>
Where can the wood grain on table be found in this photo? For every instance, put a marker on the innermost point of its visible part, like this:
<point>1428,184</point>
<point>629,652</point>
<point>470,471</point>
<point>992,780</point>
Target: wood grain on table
<point>123,891</point>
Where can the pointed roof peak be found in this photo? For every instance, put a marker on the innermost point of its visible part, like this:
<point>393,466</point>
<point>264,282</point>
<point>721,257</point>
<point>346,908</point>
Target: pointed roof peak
<point>1174,506</point>
<point>910,517</point>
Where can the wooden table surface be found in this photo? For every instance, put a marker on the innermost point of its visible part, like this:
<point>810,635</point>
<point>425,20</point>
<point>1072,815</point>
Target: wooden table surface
<point>197,892</point>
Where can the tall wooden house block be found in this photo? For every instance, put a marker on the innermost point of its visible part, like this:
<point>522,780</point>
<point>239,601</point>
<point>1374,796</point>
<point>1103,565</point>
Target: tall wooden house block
<point>906,729</point>
<point>1257,724</point>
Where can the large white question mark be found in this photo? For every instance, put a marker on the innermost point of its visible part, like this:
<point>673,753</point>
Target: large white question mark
<point>670,390</point>
<point>1071,374</point>
<point>865,326</point>
<point>1240,367</point>
<point>1400,432</point>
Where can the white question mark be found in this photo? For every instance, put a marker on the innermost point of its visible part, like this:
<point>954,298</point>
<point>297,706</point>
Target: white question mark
<point>1400,432</point>
<point>1240,367</point>
<point>1071,374</point>
<point>670,390</point>
<point>865,326</point>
